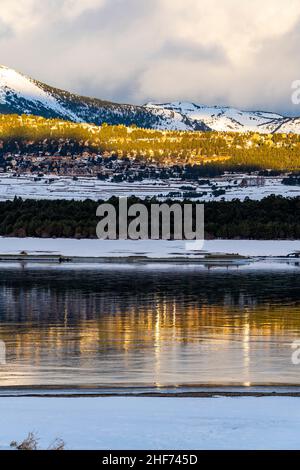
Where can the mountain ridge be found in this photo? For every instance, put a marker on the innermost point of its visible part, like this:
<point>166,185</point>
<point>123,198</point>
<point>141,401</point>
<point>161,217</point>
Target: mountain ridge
<point>230,119</point>
<point>20,94</point>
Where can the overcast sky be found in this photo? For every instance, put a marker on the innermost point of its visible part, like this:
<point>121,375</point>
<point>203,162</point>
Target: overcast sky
<point>239,52</point>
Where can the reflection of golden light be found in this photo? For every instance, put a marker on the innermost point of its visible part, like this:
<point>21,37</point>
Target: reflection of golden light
<point>246,345</point>
<point>66,316</point>
<point>146,325</point>
<point>157,346</point>
<point>123,328</point>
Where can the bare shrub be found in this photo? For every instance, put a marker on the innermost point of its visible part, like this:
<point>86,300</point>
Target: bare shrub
<point>57,444</point>
<point>31,443</point>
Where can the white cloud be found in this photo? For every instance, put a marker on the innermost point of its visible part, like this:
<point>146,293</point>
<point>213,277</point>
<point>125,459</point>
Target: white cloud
<point>19,15</point>
<point>239,25</point>
<point>73,8</point>
<point>236,52</point>
<point>25,15</point>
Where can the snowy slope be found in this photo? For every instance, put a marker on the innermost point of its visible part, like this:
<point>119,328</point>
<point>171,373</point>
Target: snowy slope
<point>227,119</point>
<point>175,120</point>
<point>23,95</point>
<point>17,90</point>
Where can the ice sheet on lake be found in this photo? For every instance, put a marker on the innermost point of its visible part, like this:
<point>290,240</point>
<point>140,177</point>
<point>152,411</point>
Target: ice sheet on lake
<point>145,248</point>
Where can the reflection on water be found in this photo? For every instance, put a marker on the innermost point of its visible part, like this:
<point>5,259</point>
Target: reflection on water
<point>151,325</point>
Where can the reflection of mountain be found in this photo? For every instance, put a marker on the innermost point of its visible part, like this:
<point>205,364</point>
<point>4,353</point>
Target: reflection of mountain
<point>99,327</point>
<point>86,291</point>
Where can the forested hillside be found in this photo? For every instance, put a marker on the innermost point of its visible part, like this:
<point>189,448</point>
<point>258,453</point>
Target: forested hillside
<point>37,136</point>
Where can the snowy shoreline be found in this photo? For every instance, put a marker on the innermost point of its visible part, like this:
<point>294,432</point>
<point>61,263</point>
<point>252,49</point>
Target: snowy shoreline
<point>143,249</point>
<point>154,423</point>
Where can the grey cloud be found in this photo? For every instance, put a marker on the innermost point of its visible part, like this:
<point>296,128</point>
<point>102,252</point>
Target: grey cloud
<point>268,85</point>
<point>115,18</point>
<point>124,93</point>
<point>6,31</point>
<point>193,51</point>
<point>131,51</point>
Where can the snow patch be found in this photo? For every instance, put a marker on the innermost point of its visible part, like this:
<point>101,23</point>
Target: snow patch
<point>162,249</point>
<point>154,423</point>
<point>229,119</point>
<point>12,82</point>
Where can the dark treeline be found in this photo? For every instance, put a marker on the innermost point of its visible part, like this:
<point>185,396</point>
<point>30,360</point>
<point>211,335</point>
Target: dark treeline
<point>292,180</point>
<point>274,217</point>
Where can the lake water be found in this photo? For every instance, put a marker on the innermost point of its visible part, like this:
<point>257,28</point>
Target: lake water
<point>149,325</point>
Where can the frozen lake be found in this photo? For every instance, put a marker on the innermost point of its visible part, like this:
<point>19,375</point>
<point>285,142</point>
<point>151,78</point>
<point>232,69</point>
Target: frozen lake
<point>153,325</point>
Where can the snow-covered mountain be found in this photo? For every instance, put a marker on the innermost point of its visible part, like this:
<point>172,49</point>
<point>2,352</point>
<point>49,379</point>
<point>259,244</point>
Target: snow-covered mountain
<point>23,95</point>
<point>227,119</point>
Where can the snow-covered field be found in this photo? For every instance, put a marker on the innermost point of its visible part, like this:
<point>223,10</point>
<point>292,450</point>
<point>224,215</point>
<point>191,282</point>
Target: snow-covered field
<point>154,423</point>
<point>146,248</point>
<point>29,187</point>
